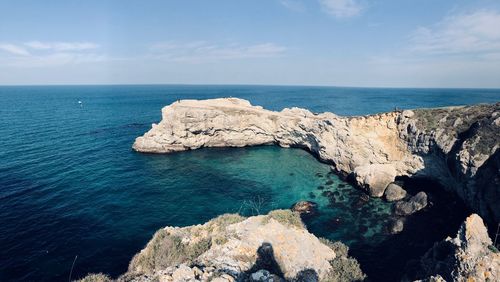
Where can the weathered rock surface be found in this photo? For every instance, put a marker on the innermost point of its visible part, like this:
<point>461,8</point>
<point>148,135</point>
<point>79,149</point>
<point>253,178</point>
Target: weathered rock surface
<point>396,226</point>
<point>234,248</point>
<point>394,192</point>
<point>306,208</point>
<point>369,146</point>
<point>411,206</point>
<point>458,146</point>
<point>467,257</point>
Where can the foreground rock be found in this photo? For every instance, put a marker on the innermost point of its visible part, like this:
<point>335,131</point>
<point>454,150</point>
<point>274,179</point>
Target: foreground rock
<point>459,146</point>
<point>467,257</point>
<point>233,248</point>
<point>411,206</point>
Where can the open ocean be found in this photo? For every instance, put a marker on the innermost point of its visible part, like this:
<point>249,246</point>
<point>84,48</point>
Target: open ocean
<point>71,186</point>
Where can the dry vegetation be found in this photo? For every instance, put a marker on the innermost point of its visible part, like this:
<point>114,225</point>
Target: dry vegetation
<point>166,250</point>
<point>344,268</point>
<point>286,217</point>
<point>476,121</point>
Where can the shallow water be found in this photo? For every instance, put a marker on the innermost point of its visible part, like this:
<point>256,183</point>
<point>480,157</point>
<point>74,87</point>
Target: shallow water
<point>71,186</point>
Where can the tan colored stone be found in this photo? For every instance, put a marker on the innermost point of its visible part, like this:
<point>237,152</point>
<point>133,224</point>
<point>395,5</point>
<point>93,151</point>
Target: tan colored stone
<point>375,148</point>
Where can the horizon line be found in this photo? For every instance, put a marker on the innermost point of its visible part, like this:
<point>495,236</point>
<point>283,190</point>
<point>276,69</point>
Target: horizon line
<point>242,84</point>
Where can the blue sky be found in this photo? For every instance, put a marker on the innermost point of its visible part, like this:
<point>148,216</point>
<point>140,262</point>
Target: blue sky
<point>384,43</point>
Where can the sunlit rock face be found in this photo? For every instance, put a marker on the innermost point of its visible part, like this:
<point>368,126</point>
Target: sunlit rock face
<point>467,257</point>
<point>234,248</point>
<point>457,146</point>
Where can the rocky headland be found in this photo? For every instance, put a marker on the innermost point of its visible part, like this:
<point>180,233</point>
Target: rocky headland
<point>456,146</point>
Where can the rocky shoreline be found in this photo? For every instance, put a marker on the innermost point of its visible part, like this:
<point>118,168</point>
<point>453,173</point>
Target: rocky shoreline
<point>277,247</point>
<point>456,146</point>
<point>273,247</point>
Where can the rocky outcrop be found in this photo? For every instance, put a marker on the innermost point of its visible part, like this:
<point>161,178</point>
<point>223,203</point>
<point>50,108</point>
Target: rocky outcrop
<point>394,192</point>
<point>467,257</point>
<point>411,206</point>
<point>396,225</point>
<point>458,146</point>
<point>305,208</point>
<point>234,248</point>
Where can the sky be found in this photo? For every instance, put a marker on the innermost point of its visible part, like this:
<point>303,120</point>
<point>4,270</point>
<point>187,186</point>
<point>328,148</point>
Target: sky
<point>360,43</point>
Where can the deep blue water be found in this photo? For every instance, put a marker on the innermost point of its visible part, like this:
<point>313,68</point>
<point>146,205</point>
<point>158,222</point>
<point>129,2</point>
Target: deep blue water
<point>70,185</point>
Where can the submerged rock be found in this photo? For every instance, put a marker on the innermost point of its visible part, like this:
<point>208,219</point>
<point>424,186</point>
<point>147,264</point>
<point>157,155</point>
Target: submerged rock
<point>361,201</point>
<point>396,226</point>
<point>306,208</point>
<point>233,248</point>
<point>394,192</point>
<point>364,198</point>
<point>467,257</point>
<point>334,223</point>
<point>411,206</point>
<point>327,193</point>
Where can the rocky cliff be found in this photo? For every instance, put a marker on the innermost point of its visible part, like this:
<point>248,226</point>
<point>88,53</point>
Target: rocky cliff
<point>467,257</point>
<point>274,247</point>
<point>458,146</point>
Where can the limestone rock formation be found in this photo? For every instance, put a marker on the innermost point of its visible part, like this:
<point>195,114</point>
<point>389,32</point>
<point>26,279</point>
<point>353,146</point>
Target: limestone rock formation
<point>458,146</point>
<point>234,248</point>
<point>394,192</point>
<point>369,147</point>
<point>467,257</point>
<point>411,206</point>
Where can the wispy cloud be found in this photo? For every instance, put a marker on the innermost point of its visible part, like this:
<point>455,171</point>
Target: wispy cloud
<point>293,5</point>
<point>14,49</point>
<point>48,54</point>
<point>476,32</point>
<point>61,46</point>
<point>201,51</point>
<point>54,60</point>
<point>342,8</point>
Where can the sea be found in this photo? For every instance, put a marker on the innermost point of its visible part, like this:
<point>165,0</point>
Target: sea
<point>76,199</point>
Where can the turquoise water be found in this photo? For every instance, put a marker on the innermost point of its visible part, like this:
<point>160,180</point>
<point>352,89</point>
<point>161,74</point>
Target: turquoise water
<point>70,185</point>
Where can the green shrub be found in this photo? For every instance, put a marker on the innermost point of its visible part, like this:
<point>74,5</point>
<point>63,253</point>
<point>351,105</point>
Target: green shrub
<point>195,250</point>
<point>166,250</point>
<point>286,217</point>
<point>221,240</point>
<point>224,221</point>
<point>493,249</point>
<point>339,248</point>
<point>345,269</point>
